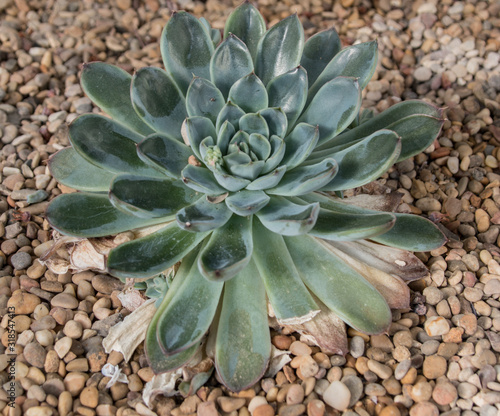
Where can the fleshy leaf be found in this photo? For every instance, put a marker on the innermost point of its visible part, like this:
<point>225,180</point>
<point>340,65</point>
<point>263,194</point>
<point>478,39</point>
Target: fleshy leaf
<point>338,286</point>
<point>91,215</point>
<point>365,161</point>
<point>72,170</point>
<point>267,181</point>
<point>203,216</point>
<point>334,107</point>
<point>286,218</point>
<point>232,113</point>
<point>149,197</point>
<point>287,293</point>
<point>289,92</point>
<point>158,101</point>
<point>247,24</point>
<point>197,129</point>
<point>201,179</point>
<point>254,123</point>
<point>224,136</point>
<point>299,144</point>
<point>147,256</point>
<point>260,146</point>
<point>230,62</point>
<point>305,179</point>
<point>249,93</point>
<point>247,170</point>
<point>108,144</point>
<point>178,327</point>
<point>186,49</point>
<point>319,50</point>
<point>228,251</point>
<point>166,154</point>
<point>229,182</point>
<point>247,202</point>
<point>280,49</point>
<point>357,61</point>
<point>108,86</point>
<point>243,344</point>
<point>277,153</point>
<point>276,121</point>
<point>204,99</point>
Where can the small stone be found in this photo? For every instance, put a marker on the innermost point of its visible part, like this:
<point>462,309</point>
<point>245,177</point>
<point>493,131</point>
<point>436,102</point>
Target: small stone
<point>63,346</point>
<point>299,348</point>
<point>381,370</point>
<point>424,409</point>
<point>295,394</point>
<point>228,404</point>
<point>39,411</point>
<point>292,410</point>
<point>434,367</point>
<point>355,386</point>
<point>357,346</point>
<point>432,295</point>
<point>375,389</point>
<point>73,329</point>
<point>207,409</point>
<point>264,410</point>
<point>21,260</point>
<point>34,354</point>
<point>282,342</point>
<point>90,397</point>
<point>64,300</point>
<point>391,410</point>
<point>337,395</point>
<point>315,408</point>
<point>401,369</point>
<point>106,284</point>
<point>422,74</point>
<point>436,325</point>
<point>422,391</point>
<point>444,393</point>
<point>65,403</point>
<point>492,287</point>
<point>23,303</point>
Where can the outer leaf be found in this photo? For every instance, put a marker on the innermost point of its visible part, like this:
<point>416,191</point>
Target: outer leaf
<point>334,107</point>
<point>201,179</point>
<point>72,170</point>
<point>276,121</point>
<point>249,93</point>
<point>197,129</point>
<point>289,92</point>
<point>107,144</point>
<point>186,49</point>
<point>91,215</point>
<point>180,328</point>
<point>203,216</point>
<point>299,144</point>
<point>338,286</point>
<point>267,181</point>
<point>247,23</point>
<point>319,50</point>
<point>230,62</point>
<point>287,293</point>
<point>166,154</point>
<point>228,251</point>
<point>280,49</point>
<point>365,161</point>
<point>152,254</point>
<point>286,218</point>
<point>158,101</point>
<point>149,197</point>
<point>357,61</point>
<point>305,179</point>
<point>246,203</point>
<point>204,99</point>
<point>243,345</point>
<point>108,86</point>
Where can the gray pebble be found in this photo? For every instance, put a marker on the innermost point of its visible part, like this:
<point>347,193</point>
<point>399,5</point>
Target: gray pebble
<point>401,369</point>
<point>357,346</point>
<point>21,260</point>
<point>355,386</point>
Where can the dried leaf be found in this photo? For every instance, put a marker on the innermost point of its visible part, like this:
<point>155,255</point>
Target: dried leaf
<point>279,358</point>
<point>131,298</point>
<point>113,371</point>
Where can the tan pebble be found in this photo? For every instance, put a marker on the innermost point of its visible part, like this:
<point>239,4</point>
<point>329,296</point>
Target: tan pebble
<point>73,329</point>
<point>23,303</point>
<point>434,367</point>
<point>75,382</point>
<point>436,325</point>
<point>63,346</point>
<point>39,411</point>
<point>390,410</point>
<point>362,365</point>
<point>264,410</point>
<point>22,322</point>
<point>207,409</point>
<point>292,410</point>
<point>65,403</point>
<point>421,391</point>
<point>308,367</point>
<point>381,370</point>
<point>89,397</point>
<point>315,408</point>
<point>256,402</point>
<point>146,374</point>
<point>482,220</point>
<point>190,404</point>
<point>444,393</point>
<point>454,336</point>
<point>424,409</point>
<point>79,364</point>
<point>282,342</point>
<point>51,362</point>
<point>295,394</point>
<point>299,348</point>
<point>410,376</point>
<point>119,391</point>
<point>337,395</point>
<point>64,300</point>
<point>134,383</point>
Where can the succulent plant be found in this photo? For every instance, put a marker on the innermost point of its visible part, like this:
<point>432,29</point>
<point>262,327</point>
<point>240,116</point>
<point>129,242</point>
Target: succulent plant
<point>236,157</point>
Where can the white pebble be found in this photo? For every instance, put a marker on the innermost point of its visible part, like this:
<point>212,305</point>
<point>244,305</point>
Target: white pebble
<point>337,395</point>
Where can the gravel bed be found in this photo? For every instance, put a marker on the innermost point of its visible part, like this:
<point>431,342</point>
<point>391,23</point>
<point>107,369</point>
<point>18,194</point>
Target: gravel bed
<point>439,357</point>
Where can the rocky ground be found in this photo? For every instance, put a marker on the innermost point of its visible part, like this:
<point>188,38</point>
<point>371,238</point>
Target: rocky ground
<point>440,357</point>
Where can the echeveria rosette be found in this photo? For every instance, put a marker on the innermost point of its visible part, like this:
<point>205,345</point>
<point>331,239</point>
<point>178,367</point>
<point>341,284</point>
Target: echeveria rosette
<point>232,155</point>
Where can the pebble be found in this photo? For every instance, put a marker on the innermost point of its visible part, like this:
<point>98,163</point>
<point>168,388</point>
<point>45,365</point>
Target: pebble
<point>34,354</point>
<point>357,346</point>
<point>21,260</point>
<point>355,386</point>
<point>89,397</point>
<point>436,325</point>
<point>434,366</point>
<point>337,395</point>
<point>23,303</point>
<point>64,300</point>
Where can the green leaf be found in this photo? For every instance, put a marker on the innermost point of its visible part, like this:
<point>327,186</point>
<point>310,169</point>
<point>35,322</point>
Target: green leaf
<point>91,215</point>
<point>277,153</point>
<point>186,48</point>
<point>149,197</point>
<point>232,113</point>
<point>246,203</point>
<point>299,144</point>
<point>229,182</point>
<point>197,129</point>
<point>249,93</point>
<point>180,327</point>
<point>224,136</point>
<point>280,49</point>
<point>247,24</point>
<point>267,181</point>
<point>305,179</point>
<point>333,108</point>
<point>204,99</point>
<point>260,146</point>
<point>365,161</point>
<point>230,62</point>
<point>108,86</point>
<point>72,170</point>
<point>339,287</point>
<point>356,61</point>
<point>228,251</point>
<point>412,233</point>
<point>289,92</point>
<point>158,101</point>
<point>286,292</point>
<point>203,216</point>
<point>284,217</point>
<point>147,256</point>
<point>166,154</point>
<point>243,345</point>
<point>319,50</point>
<point>276,121</point>
<point>201,180</point>
<point>246,171</point>
<point>254,123</point>
<point>108,144</point>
